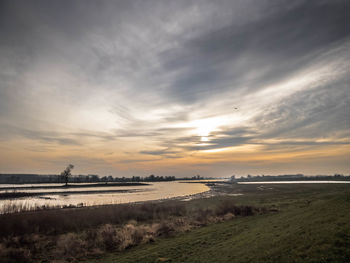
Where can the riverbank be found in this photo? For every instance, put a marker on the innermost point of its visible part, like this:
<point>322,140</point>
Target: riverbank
<point>232,223</point>
<point>95,230</point>
<point>304,223</point>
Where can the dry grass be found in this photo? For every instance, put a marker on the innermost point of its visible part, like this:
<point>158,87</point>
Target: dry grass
<point>59,221</point>
<point>12,207</point>
<point>74,234</point>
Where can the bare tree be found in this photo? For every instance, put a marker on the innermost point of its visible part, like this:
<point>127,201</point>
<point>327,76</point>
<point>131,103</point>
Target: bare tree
<point>66,173</point>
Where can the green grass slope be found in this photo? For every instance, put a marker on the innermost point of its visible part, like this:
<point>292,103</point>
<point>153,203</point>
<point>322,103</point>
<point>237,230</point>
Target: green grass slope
<point>311,224</point>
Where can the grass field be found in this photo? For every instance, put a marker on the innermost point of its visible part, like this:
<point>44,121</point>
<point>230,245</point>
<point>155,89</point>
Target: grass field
<point>308,223</point>
<point>263,223</point>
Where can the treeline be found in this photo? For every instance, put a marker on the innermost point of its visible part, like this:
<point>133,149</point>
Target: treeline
<point>151,178</point>
<point>290,177</point>
<point>91,178</point>
<point>28,178</point>
<point>46,178</point>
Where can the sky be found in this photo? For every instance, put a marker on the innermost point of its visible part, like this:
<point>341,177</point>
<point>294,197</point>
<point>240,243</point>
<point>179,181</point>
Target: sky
<point>179,88</point>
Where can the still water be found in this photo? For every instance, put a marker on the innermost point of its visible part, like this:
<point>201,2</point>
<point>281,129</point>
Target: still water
<point>127,194</point>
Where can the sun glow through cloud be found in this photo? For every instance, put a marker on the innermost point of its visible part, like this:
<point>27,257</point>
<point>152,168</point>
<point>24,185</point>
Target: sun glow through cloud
<point>203,127</point>
<point>177,89</point>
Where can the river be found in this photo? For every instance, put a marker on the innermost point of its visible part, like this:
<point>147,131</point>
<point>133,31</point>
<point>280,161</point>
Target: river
<point>127,194</point>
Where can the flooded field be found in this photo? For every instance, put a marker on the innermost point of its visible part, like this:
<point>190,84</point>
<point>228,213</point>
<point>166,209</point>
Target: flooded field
<point>89,196</point>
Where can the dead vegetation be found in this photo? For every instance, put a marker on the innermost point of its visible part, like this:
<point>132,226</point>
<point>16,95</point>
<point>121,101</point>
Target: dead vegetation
<point>76,234</point>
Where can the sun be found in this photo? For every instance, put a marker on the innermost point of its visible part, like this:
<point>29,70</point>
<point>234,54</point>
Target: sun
<point>204,127</point>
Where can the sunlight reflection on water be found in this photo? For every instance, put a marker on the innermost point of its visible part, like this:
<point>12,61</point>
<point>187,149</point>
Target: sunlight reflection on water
<point>153,191</point>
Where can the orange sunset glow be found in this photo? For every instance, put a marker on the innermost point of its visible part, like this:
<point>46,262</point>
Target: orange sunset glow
<point>174,89</point>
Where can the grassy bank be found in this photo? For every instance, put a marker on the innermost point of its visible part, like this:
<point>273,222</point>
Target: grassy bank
<point>310,224</point>
<point>277,223</point>
<point>74,234</point>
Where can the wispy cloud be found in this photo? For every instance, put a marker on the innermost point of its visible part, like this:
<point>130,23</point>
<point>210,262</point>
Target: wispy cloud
<point>164,84</point>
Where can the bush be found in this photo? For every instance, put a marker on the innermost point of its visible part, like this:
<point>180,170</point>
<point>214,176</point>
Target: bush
<point>70,245</point>
<point>90,236</point>
<point>165,229</point>
<point>137,235</point>
<point>228,207</point>
<point>69,236</point>
<point>111,238</point>
<point>14,255</point>
<point>202,215</point>
<point>61,221</point>
<point>229,216</point>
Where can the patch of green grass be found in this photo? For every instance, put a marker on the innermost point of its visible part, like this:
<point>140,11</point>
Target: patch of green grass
<point>311,225</point>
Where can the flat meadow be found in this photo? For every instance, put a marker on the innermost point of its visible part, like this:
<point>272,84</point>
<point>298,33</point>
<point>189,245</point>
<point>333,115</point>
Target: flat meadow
<point>241,223</point>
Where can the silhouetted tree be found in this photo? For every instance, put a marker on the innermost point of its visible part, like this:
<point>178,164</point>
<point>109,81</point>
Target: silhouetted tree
<point>110,178</point>
<point>66,173</point>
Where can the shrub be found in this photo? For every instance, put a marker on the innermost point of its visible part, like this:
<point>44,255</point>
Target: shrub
<point>228,207</point>
<point>90,236</point>
<point>67,235</point>
<point>228,216</point>
<point>111,239</point>
<point>164,229</point>
<point>246,211</point>
<point>70,245</point>
<point>202,216</point>
<point>14,255</point>
<point>137,235</point>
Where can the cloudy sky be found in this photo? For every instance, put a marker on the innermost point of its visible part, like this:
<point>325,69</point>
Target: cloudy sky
<point>175,87</point>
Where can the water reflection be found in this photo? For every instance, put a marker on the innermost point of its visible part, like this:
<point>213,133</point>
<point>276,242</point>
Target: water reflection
<point>153,191</point>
